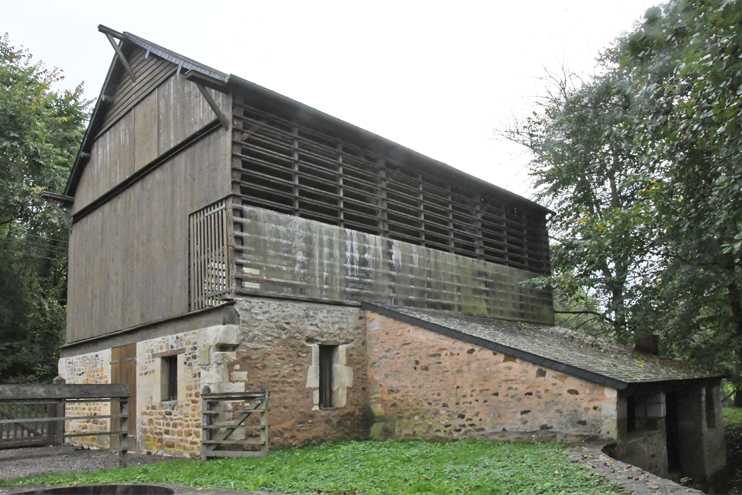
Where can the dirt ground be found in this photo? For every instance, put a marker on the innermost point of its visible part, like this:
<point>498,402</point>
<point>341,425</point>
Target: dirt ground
<point>16,463</point>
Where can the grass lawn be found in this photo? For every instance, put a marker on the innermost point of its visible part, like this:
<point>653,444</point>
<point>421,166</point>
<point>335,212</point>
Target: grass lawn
<point>372,468</point>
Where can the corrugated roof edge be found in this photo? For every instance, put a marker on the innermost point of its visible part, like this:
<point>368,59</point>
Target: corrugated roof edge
<point>518,353</point>
<point>191,64</point>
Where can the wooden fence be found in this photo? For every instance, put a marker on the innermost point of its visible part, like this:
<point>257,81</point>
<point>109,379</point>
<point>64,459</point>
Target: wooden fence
<point>225,414</point>
<point>34,415</point>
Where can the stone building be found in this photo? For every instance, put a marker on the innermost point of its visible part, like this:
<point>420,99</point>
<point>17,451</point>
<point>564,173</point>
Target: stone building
<point>227,236</point>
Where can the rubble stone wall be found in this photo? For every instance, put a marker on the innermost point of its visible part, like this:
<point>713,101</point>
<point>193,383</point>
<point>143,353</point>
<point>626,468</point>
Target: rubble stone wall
<point>92,368</point>
<point>279,352</point>
<point>427,385</point>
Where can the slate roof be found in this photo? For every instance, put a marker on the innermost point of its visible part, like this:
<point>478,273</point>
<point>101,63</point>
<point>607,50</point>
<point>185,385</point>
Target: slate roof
<point>558,348</point>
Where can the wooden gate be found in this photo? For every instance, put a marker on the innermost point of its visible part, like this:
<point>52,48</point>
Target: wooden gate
<point>27,402</point>
<point>225,414</point>
<point>124,370</point>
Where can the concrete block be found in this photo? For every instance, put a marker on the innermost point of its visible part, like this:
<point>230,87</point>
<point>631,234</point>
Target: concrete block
<point>655,410</point>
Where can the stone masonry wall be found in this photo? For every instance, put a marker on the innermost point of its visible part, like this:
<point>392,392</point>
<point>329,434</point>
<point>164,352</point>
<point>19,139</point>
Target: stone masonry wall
<point>426,385</point>
<point>169,426</point>
<point>92,368</point>
<point>279,351</point>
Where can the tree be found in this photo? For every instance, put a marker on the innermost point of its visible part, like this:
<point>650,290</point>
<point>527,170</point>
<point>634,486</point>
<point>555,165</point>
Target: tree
<point>587,169</point>
<point>687,71</point>
<point>642,165</point>
<point>40,132</point>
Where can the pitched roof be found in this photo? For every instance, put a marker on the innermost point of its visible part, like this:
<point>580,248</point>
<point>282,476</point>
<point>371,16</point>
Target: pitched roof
<point>267,96</point>
<point>558,348</point>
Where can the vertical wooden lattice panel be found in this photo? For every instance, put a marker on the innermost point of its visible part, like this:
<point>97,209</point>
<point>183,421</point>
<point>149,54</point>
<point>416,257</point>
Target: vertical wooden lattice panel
<point>209,231</point>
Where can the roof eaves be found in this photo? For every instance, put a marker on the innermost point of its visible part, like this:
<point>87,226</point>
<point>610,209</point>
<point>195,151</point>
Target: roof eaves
<point>176,58</point>
<point>493,346</point>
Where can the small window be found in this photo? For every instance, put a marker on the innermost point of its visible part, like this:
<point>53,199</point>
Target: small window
<point>327,355</point>
<point>710,408</point>
<point>169,374</point>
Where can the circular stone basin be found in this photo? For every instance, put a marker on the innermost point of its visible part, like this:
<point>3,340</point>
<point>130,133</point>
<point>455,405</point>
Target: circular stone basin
<point>102,490</point>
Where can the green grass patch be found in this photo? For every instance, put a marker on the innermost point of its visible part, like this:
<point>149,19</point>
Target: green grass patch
<point>372,468</point>
<point>732,417</point>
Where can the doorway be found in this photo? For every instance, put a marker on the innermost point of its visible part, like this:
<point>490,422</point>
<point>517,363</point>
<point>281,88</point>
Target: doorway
<point>672,430</point>
<point>124,370</point>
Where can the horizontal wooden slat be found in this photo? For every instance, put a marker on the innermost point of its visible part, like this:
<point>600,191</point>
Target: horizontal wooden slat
<point>91,391</point>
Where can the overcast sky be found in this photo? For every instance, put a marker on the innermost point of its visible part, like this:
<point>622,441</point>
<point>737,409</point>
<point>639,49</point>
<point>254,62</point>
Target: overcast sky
<point>434,76</point>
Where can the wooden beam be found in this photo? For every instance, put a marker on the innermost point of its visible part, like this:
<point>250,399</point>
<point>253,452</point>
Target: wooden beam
<point>58,197</point>
<point>212,103</point>
<point>31,392</point>
<point>120,55</point>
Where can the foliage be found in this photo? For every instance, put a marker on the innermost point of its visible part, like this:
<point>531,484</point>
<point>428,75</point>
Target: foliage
<point>732,418</point>
<point>373,468</point>
<point>641,163</point>
<point>40,132</point>
<point>587,169</point>
<point>687,75</point>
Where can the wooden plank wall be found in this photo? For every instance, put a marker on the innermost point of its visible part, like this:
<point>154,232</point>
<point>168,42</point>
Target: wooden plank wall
<point>294,169</point>
<point>129,258</point>
<point>290,256</point>
<point>165,112</point>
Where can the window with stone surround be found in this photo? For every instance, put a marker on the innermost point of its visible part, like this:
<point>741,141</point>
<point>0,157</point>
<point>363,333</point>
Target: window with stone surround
<point>169,378</point>
<point>327,357</point>
<point>166,369</point>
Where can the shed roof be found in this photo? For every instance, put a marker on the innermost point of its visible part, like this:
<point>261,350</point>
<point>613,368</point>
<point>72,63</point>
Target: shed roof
<point>593,359</point>
<point>267,96</point>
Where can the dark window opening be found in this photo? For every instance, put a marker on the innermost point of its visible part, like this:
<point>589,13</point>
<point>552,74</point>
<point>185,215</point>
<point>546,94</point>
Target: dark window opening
<point>710,408</point>
<point>327,355</point>
<point>169,375</point>
<point>672,425</point>
<point>630,414</point>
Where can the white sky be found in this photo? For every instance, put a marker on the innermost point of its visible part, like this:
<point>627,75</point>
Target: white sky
<point>434,76</point>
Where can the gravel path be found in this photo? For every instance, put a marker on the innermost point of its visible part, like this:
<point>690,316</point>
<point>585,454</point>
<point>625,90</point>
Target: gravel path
<point>631,478</point>
<point>16,463</point>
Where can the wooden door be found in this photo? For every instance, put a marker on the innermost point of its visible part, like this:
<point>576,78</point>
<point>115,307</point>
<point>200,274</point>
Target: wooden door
<point>124,370</point>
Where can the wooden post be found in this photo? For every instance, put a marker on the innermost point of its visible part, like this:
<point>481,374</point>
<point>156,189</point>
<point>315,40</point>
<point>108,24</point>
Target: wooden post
<point>341,204</point>
<point>478,239</point>
<point>450,220</point>
<point>295,168</point>
<point>205,424</point>
<point>383,217</point>
<point>123,431</point>
<point>59,412</point>
<point>264,425</point>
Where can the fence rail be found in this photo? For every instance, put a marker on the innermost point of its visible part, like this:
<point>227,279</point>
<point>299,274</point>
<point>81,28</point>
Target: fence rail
<point>34,415</point>
<point>225,429</point>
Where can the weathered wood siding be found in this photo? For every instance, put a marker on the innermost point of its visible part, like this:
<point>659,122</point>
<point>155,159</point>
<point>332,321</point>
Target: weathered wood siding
<point>129,257</point>
<point>286,255</point>
<point>171,112</point>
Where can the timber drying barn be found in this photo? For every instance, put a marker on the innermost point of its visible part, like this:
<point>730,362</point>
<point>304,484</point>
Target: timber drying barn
<point>226,236</point>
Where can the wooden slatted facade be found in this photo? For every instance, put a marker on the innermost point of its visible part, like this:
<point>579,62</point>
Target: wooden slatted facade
<point>150,243</point>
<point>292,169</point>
